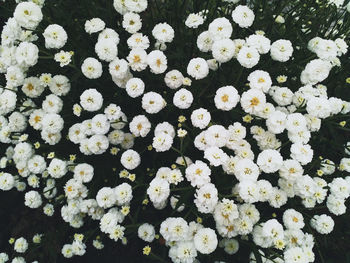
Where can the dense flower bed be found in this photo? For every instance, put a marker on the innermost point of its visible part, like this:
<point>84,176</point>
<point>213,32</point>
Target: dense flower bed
<point>207,130</point>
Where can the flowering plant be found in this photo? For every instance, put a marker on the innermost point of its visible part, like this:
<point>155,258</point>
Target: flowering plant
<point>196,131</point>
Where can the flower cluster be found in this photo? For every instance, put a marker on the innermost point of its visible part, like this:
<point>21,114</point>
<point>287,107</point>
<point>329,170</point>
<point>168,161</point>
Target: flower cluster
<point>223,133</point>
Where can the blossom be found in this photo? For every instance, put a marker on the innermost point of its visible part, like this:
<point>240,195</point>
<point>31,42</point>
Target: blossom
<point>243,16</point>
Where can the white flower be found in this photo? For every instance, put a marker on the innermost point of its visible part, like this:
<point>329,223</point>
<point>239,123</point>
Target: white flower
<point>281,50</point>
<point>174,229</point>
<point>91,68</point>
<point>198,68</point>
<point>157,62</point>
<point>33,181</point>
<point>67,251</point>
<point>130,159</point>
<point>106,49</point>
<point>194,20</point>
<point>76,133</point>
<point>7,182</point>
<point>163,32</point>
<point>8,101</point>
<point>32,199</point>
<point>106,197</point>
<point>183,251</point>
<point>146,232</point>
<point>226,98</point>
<point>55,36</point>
<point>183,99</point>
<point>225,212</point>
<point>223,50</point>
<point>78,247</point>
<point>123,193</point>
<point>248,190</point>
<point>22,152</point>
<point>200,118</point>
<point>152,102</point>
<point>17,122</point>
<point>173,79</point>
<point>28,15</point>
<point>158,190</point>
<point>52,123</point>
<point>164,127</point>
<point>138,40</point>
<point>27,54</point>
<point>340,188</point>
<point>14,78</point>
<point>253,101</point>
<point>120,7</point>
<point>140,126</point>
<point>246,169</point>
<point>137,6</point>
<point>237,132</point>
<point>132,22</point>
<point>296,122</point>
<point>135,87</point>
<point>231,246</point>
<point>260,42</point>
<point>243,16</point>
<point>198,174</point>
<point>269,161</point>
<point>305,186</point>
<point>51,138</point>
<point>91,100</point>
<point>273,229</point>
<point>291,170</point>
<point>206,198</point>
<point>109,33</point>
<point>220,28</point>
<point>116,137</point>
<point>162,142</point>
<point>216,135</point>
<point>326,49</point>
<point>282,96</point>
<point>63,57</point>
<point>100,124</point>
<point>35,119</point>
<point>205,240</point>
<point>94,25</point>
<point>276,122</point>
<point>315,71</point>
<point>117,232</point>
<point>173,176</point>
<point>342,46</point>
<point>213,64</point>
<point>260,79</point>
<point>248,57</point>
<point>74,188</point>
<point>205,41</point>
<point>118,68</point>
<point>52,104</point>
<point>137,59</point>
<point>292,219</point>
<point>21,245</point>
<point>295,255</point>
<point>57,168</point>
<point>60,85</point>
<point>336,205</point>
<point>323,224</point>
<point>181,133</point>
<point>215,156</point>
<point>83,172</point>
